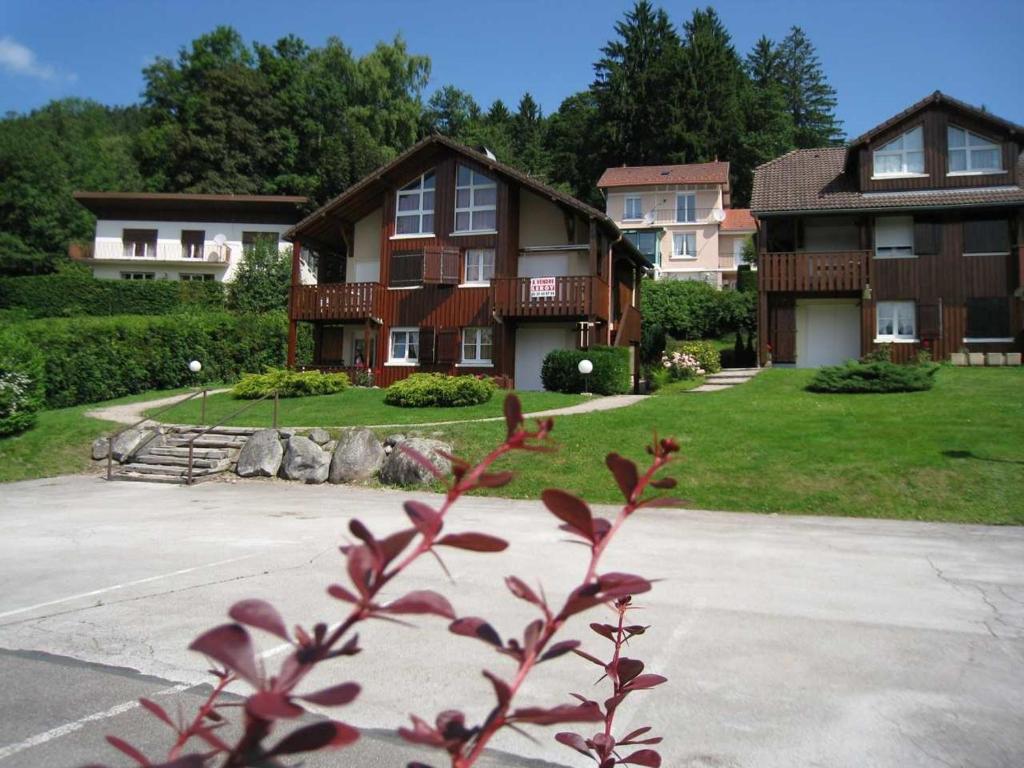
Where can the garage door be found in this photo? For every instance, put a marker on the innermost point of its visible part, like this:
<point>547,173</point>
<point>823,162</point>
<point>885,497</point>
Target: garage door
<point>533,342</point>
<point>827,332</point>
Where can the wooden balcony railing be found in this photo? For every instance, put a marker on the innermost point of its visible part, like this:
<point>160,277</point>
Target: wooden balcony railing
<point>434,265</point>
<point>336,301</point>
<point>818,272</point>
<point>573,297</point>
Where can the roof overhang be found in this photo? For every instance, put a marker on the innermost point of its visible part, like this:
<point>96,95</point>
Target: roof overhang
<point>159,206</point>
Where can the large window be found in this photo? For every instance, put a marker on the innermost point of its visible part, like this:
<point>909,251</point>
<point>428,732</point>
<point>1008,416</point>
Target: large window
<point>476,346</point>
<point>987,237</point>
<point>139,243</point>
<point>646,242</point>
<point>988,319</point>
<point>897,321</point>
<point>479,265</point>
<point>971,153</point>
<point>415,209</point>
<point>684,245</point>
<point>633,208</point>
<point>192,243</point>
<point>903,156</point>
<point>894,237</point>
<point>405,344</point>
<point>686,207</point>
<point>476,198</point>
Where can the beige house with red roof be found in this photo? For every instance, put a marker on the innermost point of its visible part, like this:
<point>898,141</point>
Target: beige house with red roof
<point>679,216</point>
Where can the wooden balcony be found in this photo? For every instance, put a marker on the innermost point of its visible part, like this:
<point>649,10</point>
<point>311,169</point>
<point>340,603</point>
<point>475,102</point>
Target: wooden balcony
<point>433,265</point>
<point>336,301</point>
<point>841,271</point>
<point>583,296</point>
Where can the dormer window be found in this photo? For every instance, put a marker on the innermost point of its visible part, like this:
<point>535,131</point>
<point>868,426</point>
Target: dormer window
<point>414,214</point>
<point>971,153</point>
<point>476,198</point>
<point>903,156</point>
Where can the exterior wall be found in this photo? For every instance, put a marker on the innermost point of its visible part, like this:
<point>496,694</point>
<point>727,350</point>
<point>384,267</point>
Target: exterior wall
<point>365,262</point>
<point>542,223</point>
<point>553,264</point>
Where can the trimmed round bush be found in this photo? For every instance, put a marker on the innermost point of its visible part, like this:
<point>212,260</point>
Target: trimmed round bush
<point>705,352</point>
<point>876,377</point>
<point>21,383</point>
<point>423,390</point>
<point>289,384</point>
<point>560,373</point>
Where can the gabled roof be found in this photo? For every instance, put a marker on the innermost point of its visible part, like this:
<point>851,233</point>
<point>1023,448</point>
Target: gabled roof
<point>738,220</point>
<point>642,175</point>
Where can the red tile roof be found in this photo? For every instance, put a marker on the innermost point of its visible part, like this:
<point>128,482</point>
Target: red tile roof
<point>640,175</point>
<point>738,220</point>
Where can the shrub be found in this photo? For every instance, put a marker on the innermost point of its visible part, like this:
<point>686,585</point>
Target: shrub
<point>705,352</point>
<point>880,354</point>
<point>685,309</point>
<point>878,377</point>
<point>289,384</point>
<point>422,390</point>
<point>21,383</point>
<point>262,280</point>
<point>652,342</point>
<point>680,365</point>
<point>560,373</point>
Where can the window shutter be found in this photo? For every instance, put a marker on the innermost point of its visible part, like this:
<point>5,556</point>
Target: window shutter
<point>926,238</point>
<point>929,320</point>
<point>989,236</point>
<point>426,350</point>
<point>447,345</point>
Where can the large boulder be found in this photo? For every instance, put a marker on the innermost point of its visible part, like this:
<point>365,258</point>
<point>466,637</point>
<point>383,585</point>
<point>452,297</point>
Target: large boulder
<point>319,436</point>
<point>100,448</point>
<point>357,456</point>
<point>402,469</point>
<point>130,442</point>
<point>261,455</point>
<point>305,461</point>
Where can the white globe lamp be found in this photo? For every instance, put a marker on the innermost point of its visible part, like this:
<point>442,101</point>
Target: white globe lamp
<point>195,366</point>
<point>585,367</point>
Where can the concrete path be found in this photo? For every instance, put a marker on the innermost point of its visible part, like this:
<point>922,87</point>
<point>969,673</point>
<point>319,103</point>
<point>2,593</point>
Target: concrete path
<point>129,413</point>
<point>725,379</point>
<point>787,641</point>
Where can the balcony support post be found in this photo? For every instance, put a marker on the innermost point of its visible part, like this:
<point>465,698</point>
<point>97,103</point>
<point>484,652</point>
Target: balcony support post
<point>293,328</point>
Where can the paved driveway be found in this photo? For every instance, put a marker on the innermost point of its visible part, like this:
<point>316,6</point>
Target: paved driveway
<point>787,641</point>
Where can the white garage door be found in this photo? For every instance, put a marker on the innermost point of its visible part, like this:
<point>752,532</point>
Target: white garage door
<point>533,342</point>
<point>827,332</point>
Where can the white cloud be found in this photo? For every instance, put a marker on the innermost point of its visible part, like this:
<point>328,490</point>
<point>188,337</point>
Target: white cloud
<point>19,60</point>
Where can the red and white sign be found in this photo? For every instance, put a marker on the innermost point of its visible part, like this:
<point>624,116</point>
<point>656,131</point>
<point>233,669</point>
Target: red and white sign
<point>542,287</point>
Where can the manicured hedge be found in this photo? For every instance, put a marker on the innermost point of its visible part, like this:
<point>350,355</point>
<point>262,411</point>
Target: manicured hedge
<point>692,309</point>
<point>560,372</point>
<point>422,390</point>
<point>71,295</point>
<point>21,382</point>
<point>289,384</point>
<point>876,377</point>
<point>706,353</point>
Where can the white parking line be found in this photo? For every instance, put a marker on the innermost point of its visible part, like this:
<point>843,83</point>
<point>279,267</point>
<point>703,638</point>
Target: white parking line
<point>79,596</point>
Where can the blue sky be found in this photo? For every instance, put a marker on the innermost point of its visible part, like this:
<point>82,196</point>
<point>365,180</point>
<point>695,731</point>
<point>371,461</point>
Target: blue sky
<point>880,56</point>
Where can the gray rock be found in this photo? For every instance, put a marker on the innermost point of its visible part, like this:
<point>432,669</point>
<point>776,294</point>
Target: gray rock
<point>305,461</point>
<point>261,455</point>
<point>100,448</point>
<point>358,456</point>
<point>319,436</point>
<point>401,469</point>
<point>393,440</point>
<point>130,442</point>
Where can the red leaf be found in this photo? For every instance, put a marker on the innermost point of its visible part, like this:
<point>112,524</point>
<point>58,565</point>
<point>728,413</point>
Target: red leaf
<point>501,689</point>
<point>494,479</point>
<point>625,473</point>
<point>559,649</point>
<point>421,733</point>
<point>571,510</point>
<point>518,588</point>
<point>393,545</point>
<point>645,757</point>
<point>361,568</point>
<point>325,735</point>
<point>573,740</point>
<point>665,482</point>
<point>157,710</point>
<point>334,696</point>
<point>259,614</point>
<point>471,626</point>
<point>362,533</point>
<point>424,517</point>
<point>644,682</point>
<point>420,459</point>
<point>272,705</point>
<point>513,414</point>
<point>633,734</point>
<point>628,669</point>
<point>476,542</point>
<point>338,591</point>
<point>231,645</point>
<point>609,587</point>
<point>604,630</point>
<point>666,501</point>
<point>129,750</point>
<point>564,713</point>
<point>588,657</point>
<point>421,601</point>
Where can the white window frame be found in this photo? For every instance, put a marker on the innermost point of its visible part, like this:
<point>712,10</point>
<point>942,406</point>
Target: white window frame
<point>901,310</point>
<point>138,275</point>
<point>685,236</point>
<point>473,187</point>
<point>477,258</point>
<point>420,211</point>
<point>899,242</point>
<point>636,202</point>
<point>902,153</point>
<point>411,334</point>
<point>475,338</point>
<point>196,277</point>
<point>689,209</point>
<point>980,143</point>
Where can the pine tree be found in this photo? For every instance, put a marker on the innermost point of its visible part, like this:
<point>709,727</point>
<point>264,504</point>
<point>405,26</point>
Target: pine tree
<point>809,97</point>
<point>450,111</point>
<point>764,63</point>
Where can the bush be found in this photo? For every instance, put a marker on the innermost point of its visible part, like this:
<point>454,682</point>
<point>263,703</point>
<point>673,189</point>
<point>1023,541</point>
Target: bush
<point>652,343</point>
<point>21,383</point>
<point>705,352</point>
<point>685,309</point>
<point>262,281</point>
<point>422,390</point>
<point>680,366</point>
<point>882,353</point>
<point>72,295</point>
<point>610,376</point>
<point>289,384</point>
<point>878,377</point>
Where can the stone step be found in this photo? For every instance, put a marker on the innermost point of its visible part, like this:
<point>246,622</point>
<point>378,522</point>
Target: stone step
<point>179,461</point>
<point>169,471</point>
<point>237,431</point>
<point>206,441</point>
<point>725,380</point>
<point>709,388</point>
<point>199,453</point>
<point>149,477</point>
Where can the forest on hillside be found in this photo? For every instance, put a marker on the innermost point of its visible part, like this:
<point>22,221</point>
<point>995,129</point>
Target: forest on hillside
<point>227,116</point>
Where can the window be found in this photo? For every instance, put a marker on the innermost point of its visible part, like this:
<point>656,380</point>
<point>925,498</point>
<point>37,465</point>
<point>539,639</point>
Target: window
<point>405,344</point>
<point>196,277</point>
<point>894,237</point>
<point>987,237</point>
<point>633,209</point>
<point>192,243</point>
<point>253,240</point>
<point>989,318</point>
<point>645,242</point>
<point>139,243</point>
<point>896,321</point>
<point>479,265</point>
<point>903,156</point>
<point>138,275</point>
<point>971,153</point>
<point>684,245</point>
<point>476,346</point>
<point>686,207</point>
<point>415,209</point>
<point>476,198</point>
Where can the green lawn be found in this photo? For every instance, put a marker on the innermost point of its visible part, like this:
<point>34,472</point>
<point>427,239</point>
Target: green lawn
<point>955,453</point>
<point>355,406</point>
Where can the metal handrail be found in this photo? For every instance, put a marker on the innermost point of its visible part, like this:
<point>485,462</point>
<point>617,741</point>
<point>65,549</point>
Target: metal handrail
<point>229,417</point>
<point>150,417</point>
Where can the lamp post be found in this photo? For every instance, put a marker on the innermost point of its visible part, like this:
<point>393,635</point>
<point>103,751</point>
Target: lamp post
<point>586,368</point>
<point>195,366</point>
